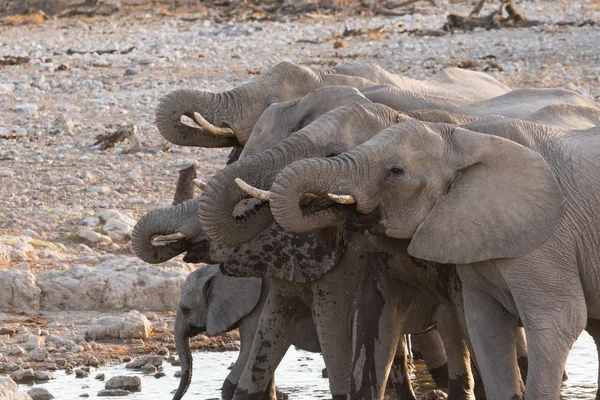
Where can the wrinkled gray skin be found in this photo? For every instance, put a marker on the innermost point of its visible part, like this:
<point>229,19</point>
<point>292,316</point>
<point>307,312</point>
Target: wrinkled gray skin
<point>367,119</point>
<point>240,108</point>
<point>513,203</point>
<point>559,107</point>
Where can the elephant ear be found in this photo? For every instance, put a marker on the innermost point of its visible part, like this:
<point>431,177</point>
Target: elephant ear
<point>230,299</point>
<point>278,254</point>
<point>504,202</point>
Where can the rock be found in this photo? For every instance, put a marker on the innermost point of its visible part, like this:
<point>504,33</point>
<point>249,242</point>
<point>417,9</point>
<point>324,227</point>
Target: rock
<point>148,369</point>
<point>131,325</point>
<point>10,391</point>
<point>8,330</point>
<point>177,374</point>
<point>35,342</point>
<point>27,107</point>
<point>18,290</point>
<point>166,337</point>
<point>126,359</point>
<point>17,351</point>
<point>42,376</point>
<point>8,367</point>
<point>324,373</point>
<point>131,383</point>
<point>79,373</point>
<point>77,349</point>
<point>163,351</point>
<point>7,172</point>
<point>100,377</point>
<point>176,362</point>
<point>23,375</point>
<point>131,71</point>
<point>39,393</point>
<point>94,237</point>
<point>114,283</point>
<point>84,395</point>
<point>116,225</point>
<point>113,392</point>
<point>138,363</point>
<point>38,355</point>
<point>6,88</point>
<point>62,125</point>
<point>99,189</point>
<point>159,374</point>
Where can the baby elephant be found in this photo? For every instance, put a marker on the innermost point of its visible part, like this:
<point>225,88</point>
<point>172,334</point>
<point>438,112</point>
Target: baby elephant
<point>215,303</point>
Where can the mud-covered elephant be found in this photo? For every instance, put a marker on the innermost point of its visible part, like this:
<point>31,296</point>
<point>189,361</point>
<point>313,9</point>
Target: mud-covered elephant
<point>513,203</point>
<point>226,119</point>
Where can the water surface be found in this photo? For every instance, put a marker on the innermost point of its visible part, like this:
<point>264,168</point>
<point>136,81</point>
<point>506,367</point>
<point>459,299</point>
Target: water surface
<point>299,375</point>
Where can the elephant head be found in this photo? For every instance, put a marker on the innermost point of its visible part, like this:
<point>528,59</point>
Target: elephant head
<point>226,119</point>
<point>460,196</point>
<point>213,303</point>
<point>329,135</point>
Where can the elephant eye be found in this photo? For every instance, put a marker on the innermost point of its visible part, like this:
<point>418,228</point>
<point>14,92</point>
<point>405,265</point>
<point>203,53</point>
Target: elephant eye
<point>396,170</point>
<point>185,310</point>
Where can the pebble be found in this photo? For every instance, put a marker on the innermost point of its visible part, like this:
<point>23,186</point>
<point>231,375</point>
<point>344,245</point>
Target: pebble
<point>17,351</point>
<point>42,376</point>
<point>38,355</point>
<point>79,373</point>
<point>148,369</point>
<point>39,393</point>
<point>100,377</point>
<point>177,374</point>
<point>23,375</point>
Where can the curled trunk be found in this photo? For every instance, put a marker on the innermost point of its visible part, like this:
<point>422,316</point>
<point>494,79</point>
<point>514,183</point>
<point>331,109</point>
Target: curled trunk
<point>186,102</point>
<point>182,344</point>
<point>289,206</point>
<point>166,221</point>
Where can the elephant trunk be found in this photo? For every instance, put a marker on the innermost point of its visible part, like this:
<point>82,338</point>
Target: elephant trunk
<point>318,193</point>
<point>182,344</point>
<point>166,221</point>
<point>220,218</point>
<point>186,102</point>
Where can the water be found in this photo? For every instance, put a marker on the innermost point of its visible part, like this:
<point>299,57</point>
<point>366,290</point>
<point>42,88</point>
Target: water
<point>299,375</point>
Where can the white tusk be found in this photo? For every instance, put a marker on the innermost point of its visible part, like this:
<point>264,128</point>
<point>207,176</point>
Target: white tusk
<point>341,198</point>
<point>260,194</point>
<point>201,184</point>
<point>210,128</point>
<point>169,238</point>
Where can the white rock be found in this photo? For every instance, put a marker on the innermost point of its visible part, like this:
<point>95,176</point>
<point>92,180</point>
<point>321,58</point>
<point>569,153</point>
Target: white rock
<point>40,393</point>
<point>94,237</point>
<point>18,290</point>
<point>10,391</point>
<point>131,325</point>
<point>99,189</point>
<point>26,107</point>
<point>5,172</point>
<point>6,88</point>
<point>35,342</point>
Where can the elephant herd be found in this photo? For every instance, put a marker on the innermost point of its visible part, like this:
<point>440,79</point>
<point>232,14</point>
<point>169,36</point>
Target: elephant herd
<point>359,206</point>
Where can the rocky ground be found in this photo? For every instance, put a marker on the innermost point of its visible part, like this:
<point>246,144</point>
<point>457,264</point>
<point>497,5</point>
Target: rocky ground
<point>67,204</point>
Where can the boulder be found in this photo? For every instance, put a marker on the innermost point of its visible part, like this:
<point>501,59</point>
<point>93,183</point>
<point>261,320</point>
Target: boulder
<point>116,225</point>
<point>18,290</point>
<point>130,383</point>
<point>23,375</point>
<point>129,326</point>
<point>39,393</point>
<point>38,355</point>
<point>10,391</point>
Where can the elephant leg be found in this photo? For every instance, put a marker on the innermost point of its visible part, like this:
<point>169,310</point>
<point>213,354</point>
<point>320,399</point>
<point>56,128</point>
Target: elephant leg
<point>248,326</point>
<point>375,336</point>
<point>272,339</point>
<point>522,355</point>
<point>460,383</point>
<point>400,372</point>
<point>434,354</point>
<point>492,332</point>
<point>593,328</point>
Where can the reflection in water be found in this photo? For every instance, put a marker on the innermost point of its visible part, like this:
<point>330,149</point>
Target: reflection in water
<point>299,375</point>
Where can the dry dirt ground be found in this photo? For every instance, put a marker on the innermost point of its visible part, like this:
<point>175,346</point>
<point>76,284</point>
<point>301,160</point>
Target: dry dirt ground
<point>64,81</point>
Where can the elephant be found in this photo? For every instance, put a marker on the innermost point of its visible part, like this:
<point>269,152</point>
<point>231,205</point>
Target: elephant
<point>215,303</point>
<point>226,119</point>
<point>512,204</point>
<point>282,119</point>
<point>207,304</point>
